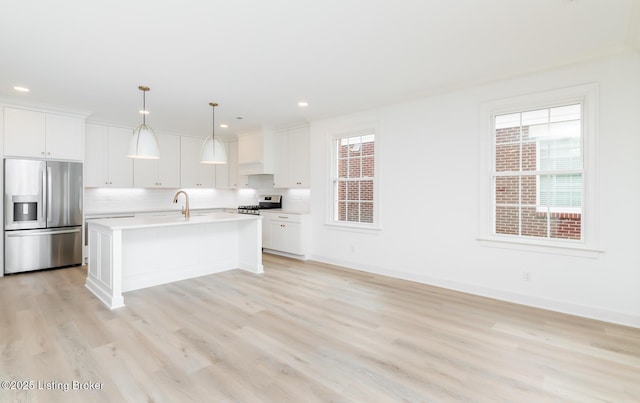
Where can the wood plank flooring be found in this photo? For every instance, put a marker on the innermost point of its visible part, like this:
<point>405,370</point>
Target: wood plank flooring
<point>301,332</point>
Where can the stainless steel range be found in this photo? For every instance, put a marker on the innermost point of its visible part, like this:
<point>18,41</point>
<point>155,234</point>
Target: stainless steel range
<point>264,202</point>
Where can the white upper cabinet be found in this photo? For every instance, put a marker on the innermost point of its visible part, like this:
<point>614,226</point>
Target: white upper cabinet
<point>255,152</point>
<point>106,161</point>
<point>222,171</point>
<point>163,172</point>
<point>37,134</point>
<point>291,154</point>
<point>281,159</point>
<point>194,174</point>
<point>64,137</point>
<point>24,133</point>
<point>96,153</point>
<point>236,181</point>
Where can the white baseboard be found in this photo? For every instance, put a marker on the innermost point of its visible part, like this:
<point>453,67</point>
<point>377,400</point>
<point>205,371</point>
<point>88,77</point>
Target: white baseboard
<point>285,254</point>
<point>606,315</point>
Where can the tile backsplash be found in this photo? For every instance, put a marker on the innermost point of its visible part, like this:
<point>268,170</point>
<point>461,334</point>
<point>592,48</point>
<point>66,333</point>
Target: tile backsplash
<point>112,200</point>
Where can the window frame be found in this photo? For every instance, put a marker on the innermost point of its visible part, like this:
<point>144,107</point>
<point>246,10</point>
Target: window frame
<point>333,138</point>
<point>587,96</point>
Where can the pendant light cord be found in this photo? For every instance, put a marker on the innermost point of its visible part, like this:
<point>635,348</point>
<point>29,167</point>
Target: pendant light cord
<point>144,107</point>
<point>144,90</point>
<point>213,127</point>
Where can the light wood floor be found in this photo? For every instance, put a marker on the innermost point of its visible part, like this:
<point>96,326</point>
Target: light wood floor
<point>303,332</point>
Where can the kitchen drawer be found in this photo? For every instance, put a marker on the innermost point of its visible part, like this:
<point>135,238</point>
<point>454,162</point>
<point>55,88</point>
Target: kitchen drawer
<point>47,248</point>
<point>282,217</point>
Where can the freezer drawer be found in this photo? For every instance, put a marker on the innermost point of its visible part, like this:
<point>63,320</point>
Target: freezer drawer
<point>42,249</point>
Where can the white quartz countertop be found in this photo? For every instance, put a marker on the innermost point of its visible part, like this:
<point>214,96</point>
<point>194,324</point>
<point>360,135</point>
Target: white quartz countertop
<point>164,221</point>
<point>116,212</point>
<point>282,211</point>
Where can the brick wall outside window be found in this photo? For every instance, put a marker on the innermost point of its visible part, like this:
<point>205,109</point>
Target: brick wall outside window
<point>518,211</point>
<point>354,193</point>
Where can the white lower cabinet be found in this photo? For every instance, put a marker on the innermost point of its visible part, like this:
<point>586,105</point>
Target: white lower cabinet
<point>284,233</point>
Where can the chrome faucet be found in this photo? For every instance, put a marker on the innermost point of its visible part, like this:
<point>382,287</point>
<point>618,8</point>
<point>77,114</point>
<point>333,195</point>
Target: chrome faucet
<point>185,209</point>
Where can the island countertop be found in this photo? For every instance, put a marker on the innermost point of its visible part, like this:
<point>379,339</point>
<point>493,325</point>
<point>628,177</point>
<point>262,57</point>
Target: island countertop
<point>130,253</point>
<point>164,221</point>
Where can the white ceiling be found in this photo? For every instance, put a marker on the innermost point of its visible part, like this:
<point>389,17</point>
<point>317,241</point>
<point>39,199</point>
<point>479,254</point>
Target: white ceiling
<point>258,58</point>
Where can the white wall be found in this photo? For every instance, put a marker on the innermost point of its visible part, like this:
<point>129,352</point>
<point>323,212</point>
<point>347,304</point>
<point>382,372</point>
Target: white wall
<point>429,188</point>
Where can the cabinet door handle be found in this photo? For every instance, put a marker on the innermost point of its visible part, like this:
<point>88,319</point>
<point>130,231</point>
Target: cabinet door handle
<point>283,216</point>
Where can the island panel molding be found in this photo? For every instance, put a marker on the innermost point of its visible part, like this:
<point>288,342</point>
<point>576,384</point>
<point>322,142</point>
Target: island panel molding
<point>127,254</point>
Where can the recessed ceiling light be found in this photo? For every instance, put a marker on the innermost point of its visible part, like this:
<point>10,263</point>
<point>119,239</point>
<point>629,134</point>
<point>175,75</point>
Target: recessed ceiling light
<point>144,112</point>
<point>224,126</point>
<point>21,89</point>
<point>302,104</point>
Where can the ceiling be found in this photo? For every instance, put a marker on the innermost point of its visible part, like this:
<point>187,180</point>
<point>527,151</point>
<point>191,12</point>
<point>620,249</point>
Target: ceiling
<point>259,58</point>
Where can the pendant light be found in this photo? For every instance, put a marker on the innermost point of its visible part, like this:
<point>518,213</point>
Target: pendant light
<point>144,142</point>
<point>213,151</point>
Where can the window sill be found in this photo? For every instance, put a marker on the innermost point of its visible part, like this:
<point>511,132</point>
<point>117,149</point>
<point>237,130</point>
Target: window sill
<point>353,227</point>
<point>566,249</point>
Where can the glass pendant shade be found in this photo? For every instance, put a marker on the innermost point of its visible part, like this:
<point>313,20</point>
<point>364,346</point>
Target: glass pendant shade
<point>213,152</point>
<point>144,143</point>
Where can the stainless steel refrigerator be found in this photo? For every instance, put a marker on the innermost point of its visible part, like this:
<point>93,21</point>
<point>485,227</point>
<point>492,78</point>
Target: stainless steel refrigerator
<point>42,214</point>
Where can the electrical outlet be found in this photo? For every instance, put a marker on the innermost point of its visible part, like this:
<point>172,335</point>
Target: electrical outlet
<point>526,276</point>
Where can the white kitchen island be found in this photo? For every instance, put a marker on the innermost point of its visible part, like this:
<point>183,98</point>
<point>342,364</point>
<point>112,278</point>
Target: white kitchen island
<point>127,254</point>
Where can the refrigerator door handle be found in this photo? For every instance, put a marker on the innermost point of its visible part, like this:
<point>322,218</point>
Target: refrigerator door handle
<point>18,234</point>
<point>42,200</point>
<point>48,194</point>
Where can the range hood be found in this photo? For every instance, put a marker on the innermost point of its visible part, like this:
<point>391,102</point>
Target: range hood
<point>255,152</point>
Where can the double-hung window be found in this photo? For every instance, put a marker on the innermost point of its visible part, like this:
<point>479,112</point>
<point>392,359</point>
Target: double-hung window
<point>538,174</point>
<point>354,179</point>
<point>541,155</point>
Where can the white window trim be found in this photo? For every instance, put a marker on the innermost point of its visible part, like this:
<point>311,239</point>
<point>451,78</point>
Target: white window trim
<point>333,136</point>
<point>589,245</point>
